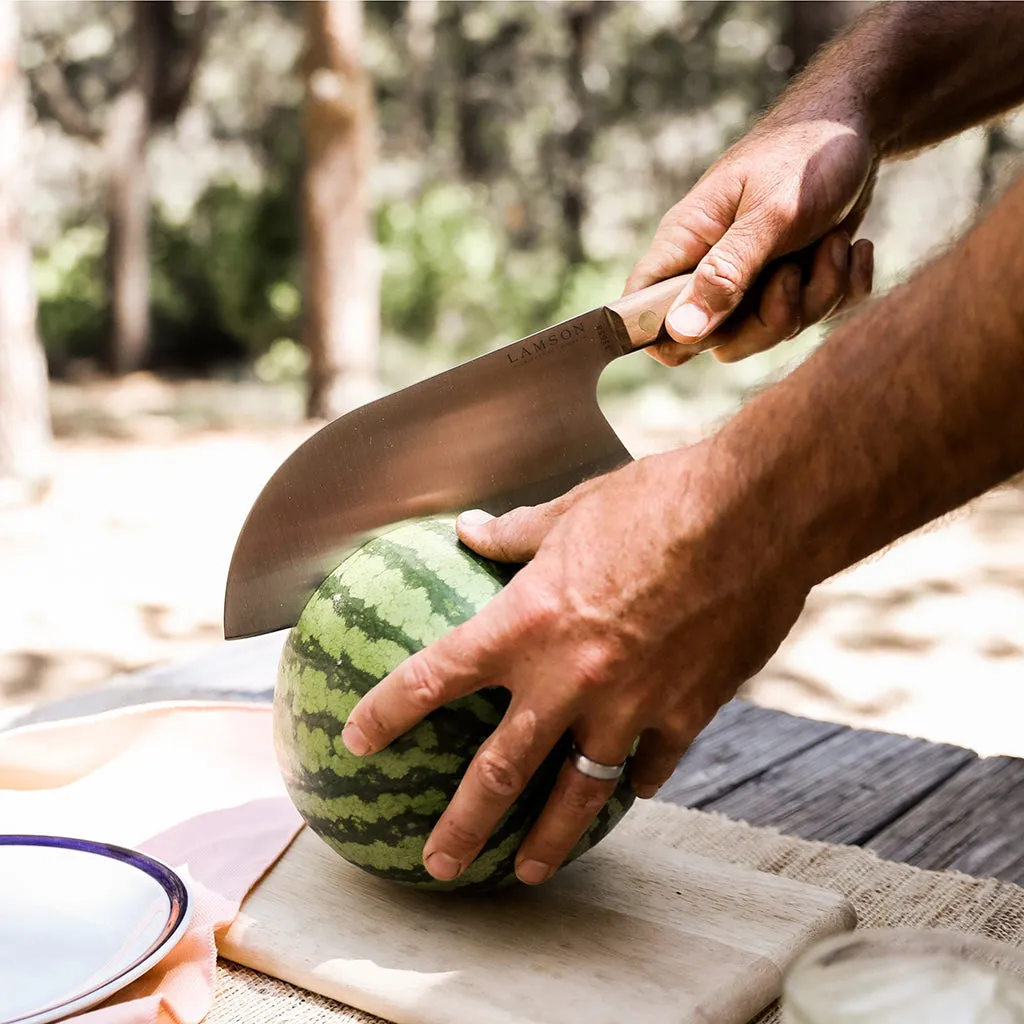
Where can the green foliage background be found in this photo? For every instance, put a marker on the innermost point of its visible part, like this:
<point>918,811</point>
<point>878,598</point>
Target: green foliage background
<point>471,235</point>
<point>474,165</point>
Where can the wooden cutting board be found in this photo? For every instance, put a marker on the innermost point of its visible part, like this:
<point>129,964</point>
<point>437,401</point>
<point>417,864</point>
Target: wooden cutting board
<point>633,931</point>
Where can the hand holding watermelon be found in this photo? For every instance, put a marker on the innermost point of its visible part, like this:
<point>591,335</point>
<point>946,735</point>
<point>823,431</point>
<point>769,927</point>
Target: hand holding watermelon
<point>392,597</point>
<point>637,616</point>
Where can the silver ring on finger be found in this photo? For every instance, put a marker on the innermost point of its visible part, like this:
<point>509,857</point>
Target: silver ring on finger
<point>595,769</point>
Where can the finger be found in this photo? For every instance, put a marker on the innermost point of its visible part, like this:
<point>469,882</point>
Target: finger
<point>574,803</point>
<point>687,232</point>
<point>494,779</point>
<point>653,763</point>
<point>778,318</point>
<point>789,309</point>
<point>670,254</point>
<point>513,537</point>
<point>458,663</point>
<point>829,278</point>
<point>670,353</point>
<point>855,217</point>
<point>862,270</point>
<point>720,281</point>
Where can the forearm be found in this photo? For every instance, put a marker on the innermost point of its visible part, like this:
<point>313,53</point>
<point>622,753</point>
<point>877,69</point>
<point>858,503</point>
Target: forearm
<point>912,73</point>
<point>912,408</point>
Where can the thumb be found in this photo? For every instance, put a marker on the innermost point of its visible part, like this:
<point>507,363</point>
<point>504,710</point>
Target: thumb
<point>697,222</point>
<point>719,282</point>
<point>513,537</point>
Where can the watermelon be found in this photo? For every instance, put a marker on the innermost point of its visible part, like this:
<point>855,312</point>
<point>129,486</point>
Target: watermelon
<point>397,593</point>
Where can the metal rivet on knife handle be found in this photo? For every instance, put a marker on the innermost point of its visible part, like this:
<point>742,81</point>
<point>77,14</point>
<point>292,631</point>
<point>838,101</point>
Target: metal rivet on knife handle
<point>649,321</point>
<point>642,314</point>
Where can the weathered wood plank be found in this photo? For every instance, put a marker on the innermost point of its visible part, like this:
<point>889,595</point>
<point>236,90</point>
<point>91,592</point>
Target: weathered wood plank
<point>845,789</point>
<point>242,670</point>
<point>742,741</point>
<point>973,822</point>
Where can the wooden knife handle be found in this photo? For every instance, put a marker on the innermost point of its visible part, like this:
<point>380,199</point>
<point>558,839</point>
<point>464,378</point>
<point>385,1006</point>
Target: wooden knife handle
<point>642,314</point>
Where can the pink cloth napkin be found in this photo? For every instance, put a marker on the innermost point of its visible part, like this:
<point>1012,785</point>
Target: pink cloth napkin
<point>195,785</point>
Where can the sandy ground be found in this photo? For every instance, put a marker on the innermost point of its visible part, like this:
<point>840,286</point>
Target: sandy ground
<point>122,565</point>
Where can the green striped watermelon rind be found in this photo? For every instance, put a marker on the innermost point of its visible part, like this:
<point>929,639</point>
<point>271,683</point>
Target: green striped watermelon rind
<point>340,648</point>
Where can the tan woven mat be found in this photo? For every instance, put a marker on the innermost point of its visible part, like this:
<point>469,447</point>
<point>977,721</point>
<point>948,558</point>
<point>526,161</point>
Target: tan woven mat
<point>884,894</point>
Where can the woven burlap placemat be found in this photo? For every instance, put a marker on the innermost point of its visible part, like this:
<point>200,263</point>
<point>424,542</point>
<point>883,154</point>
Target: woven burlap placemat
<point>884,894</point>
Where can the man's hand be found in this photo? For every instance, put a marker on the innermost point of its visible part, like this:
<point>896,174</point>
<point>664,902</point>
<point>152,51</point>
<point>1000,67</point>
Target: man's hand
<point>902,77</point>
<point>630,620</point>
<point>795,180</point>
<point>652,593</point>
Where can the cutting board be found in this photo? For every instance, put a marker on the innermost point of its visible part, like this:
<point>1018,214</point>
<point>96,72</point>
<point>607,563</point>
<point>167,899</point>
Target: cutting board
<point>633,931</point>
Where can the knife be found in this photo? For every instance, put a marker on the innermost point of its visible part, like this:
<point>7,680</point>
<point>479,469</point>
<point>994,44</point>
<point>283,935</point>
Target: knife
<point>516,426</point>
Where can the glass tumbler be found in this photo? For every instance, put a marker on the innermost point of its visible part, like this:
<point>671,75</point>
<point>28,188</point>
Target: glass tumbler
<point>899,976</point>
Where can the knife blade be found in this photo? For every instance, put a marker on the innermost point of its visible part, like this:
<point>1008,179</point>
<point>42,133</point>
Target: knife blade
<point>516,426</point>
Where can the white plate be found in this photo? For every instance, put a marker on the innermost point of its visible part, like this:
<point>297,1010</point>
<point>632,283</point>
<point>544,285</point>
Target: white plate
<point>79,921</point>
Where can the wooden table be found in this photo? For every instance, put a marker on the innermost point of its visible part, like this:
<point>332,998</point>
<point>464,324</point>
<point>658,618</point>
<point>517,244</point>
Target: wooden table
<point>927,804</point>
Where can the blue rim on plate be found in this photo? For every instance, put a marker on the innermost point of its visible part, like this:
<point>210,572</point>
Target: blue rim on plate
<point>178,917</point>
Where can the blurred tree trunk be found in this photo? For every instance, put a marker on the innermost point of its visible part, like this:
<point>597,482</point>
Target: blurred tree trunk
<point>164,63</point>
<point>481,136</point>
<point>24,412</point>
<point>808,24</point>
<point>472,102</point>
<point>583,18</point>
<point>420,21</point>
<point>342,312</point>
<point>129,123</point>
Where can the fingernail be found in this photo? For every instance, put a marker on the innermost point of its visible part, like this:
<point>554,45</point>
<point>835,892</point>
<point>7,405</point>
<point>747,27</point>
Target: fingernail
<point>840,254</point>
<point>645,792</point>
<point>533,872</point>
<point>355,740</point>
<point>475,517</point>
<point>689,321</point>
<point>443,867</point>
